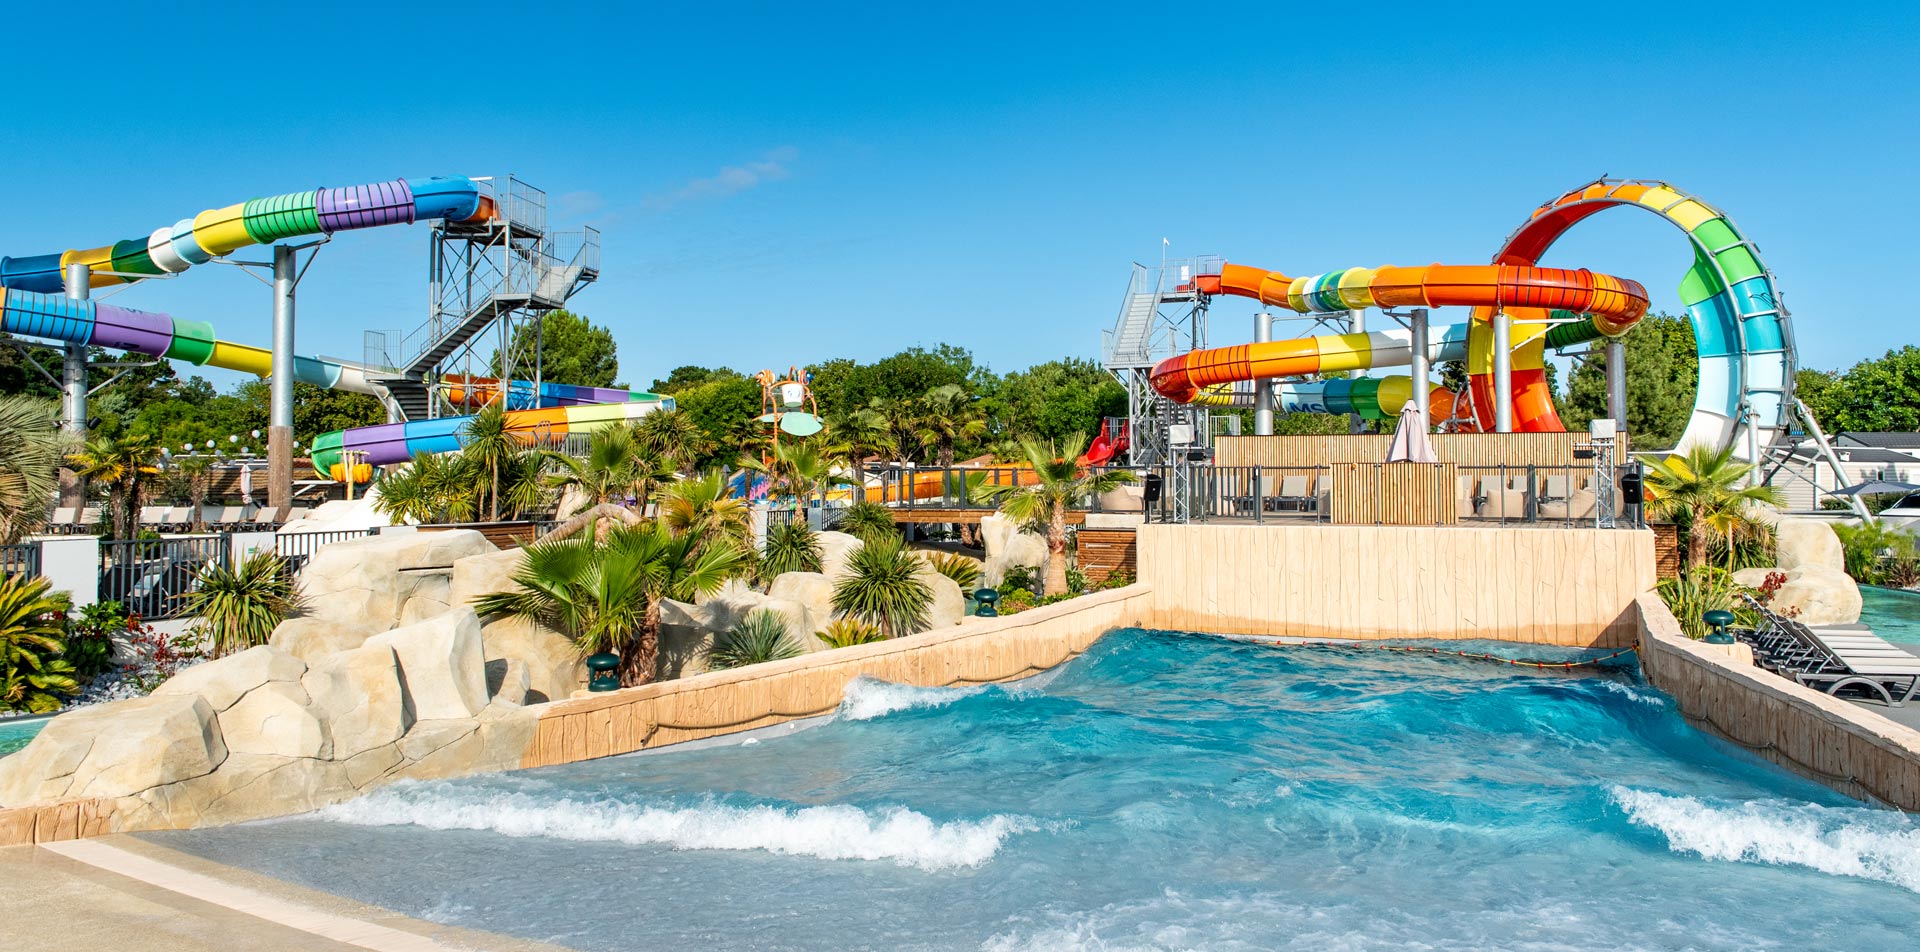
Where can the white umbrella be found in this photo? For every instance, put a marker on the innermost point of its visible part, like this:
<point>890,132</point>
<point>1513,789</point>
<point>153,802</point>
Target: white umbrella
<point>1410,441</point>
<point>246,485</point>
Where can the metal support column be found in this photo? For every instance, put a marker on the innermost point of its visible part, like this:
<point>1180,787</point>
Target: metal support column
<point>280,383</point>
<point>1357,324</point>
<point>73,387</point>
<point>1263,387</point>
<point>1617,382</point>
<point>1502,372</point>
<point>1422,386</point>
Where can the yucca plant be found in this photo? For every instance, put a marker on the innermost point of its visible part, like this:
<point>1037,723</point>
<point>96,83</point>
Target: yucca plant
<point>240,607</point>
<point>793,547</point>
<point>883,587</point>
<point>964,571</point>
<point>847,632</point>
<point>32,675</point>
<point>1060,481</point>
<point>1700,590</point>
<point>761,636</point>
<point>868,521</point>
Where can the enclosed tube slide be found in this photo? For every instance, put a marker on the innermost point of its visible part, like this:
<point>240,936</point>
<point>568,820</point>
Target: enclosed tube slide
<point>391,443</point>
<point>1612,305</point>
<point>1743,332</point>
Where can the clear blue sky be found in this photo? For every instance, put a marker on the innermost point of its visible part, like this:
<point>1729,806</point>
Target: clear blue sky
<point>782,185</point>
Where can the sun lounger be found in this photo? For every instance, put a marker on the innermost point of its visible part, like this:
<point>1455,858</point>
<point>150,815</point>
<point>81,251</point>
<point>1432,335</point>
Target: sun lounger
<point>65,519</point>
<point>1834,658</point>
<point>89,517</point>
<point>177,519</point>
<point>1293,492</point>
<point>229,517</point>
<point>152,516</point>
<point>267,517</point>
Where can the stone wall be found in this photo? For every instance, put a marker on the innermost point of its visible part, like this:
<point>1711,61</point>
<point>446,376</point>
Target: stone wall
<point>1848,747</point>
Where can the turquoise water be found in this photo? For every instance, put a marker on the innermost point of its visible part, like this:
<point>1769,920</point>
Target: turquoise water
<point>1892,613</point>
<point>14,733</point>
<point>1161,792</point>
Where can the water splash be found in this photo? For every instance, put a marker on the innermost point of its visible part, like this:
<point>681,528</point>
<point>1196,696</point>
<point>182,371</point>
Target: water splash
<point>1881,845</point>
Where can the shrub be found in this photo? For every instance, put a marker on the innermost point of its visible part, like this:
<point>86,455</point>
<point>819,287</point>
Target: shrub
<point>846,632</point>
<point>1118,578</point>
<point>1014,601</point>
<point>1703,589</point>
<point>1076,581</point>
<point>793,547</point>
<point>883,587</point>
<point>868,521</point>
<point>239,608</point>
<point>33,677</point>
<point>90,636</point>
<point>1868,547</point>
<point>1902,572</point>
<point>964,571</point>
<point>1019,577</point>
<point>157,657</point>
<point>761,636</point>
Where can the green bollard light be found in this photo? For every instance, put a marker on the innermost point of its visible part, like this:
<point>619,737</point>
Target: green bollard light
<point>1719,619</point>
<point>985,598</point>
<point>605,672</point>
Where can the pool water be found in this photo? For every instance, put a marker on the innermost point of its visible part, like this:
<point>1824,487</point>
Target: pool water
<point>1892,613</point>
<point>1163,791</point>
<point>16,732</point>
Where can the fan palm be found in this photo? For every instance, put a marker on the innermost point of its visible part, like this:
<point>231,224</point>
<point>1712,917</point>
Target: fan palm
<point>883,587</point>
<point>1703,486</point>
<point>32,675</point>
<point>1060,481</point>
<point>490,444</point>
<point>703,509</point>
<point>123,463</point>
<point>31,447</point>
<point>866,433</point>
<point>800,470</point>
<point>614,469</point>
<point>945,416</point>
<point>673,436</point>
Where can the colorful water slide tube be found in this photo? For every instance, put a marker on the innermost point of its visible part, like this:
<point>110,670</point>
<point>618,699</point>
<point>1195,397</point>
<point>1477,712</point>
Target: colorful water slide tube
<point>391,443</point>
<point>1611,305</point>
<point>1743,332</point>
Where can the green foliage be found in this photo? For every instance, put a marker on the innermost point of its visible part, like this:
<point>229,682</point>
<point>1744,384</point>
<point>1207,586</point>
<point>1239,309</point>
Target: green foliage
<point>30,452</point>
<point>1076,580</point>
<point>1873,395</point>
<point>432,488</point>
<point>1871,549</point>
<point>1702,491</point>
<point>1309,424</point>
<point>944,417</point>
<point>1054,400</point>
<point>686,377</point>
<point>1703,589</point>
<point>964,571</point>
<point>1663,372</point>
<point>488,444</point>
<point>1060,482</point>
<point>842,385</point>
<point>724,409</point>
<point>673,437</point>
<point>1118,578</point>
<point>883,587</point>
<point>793,547</point>
<point>240,607</point>
<point>1021,578</point>
<point>701,507</point>
<point>90,634</point>
<point>847,632</point>
<point>1015,600</point>
<point>868,521</point>
<point>33,676</point>
<point>124,463</point>
<point>761,636</point>
<point>573,350</point>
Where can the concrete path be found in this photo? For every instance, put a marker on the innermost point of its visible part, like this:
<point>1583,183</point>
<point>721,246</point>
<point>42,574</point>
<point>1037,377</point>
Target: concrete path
<point>120,892</point>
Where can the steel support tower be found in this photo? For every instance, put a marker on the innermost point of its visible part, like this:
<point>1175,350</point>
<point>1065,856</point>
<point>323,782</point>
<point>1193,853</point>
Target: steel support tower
<point>1161,316</point>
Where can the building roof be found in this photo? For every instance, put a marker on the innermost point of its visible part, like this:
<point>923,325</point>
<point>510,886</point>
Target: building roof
<point>1894,440</point>
<point>1857,454</point>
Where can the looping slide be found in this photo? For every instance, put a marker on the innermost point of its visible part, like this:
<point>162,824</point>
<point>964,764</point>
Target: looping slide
<point>1614,304</point>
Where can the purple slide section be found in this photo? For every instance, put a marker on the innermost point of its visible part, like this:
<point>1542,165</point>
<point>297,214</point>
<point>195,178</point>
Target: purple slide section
<point>383,444</point>
<point>365,206</point>
<point>140,332</point>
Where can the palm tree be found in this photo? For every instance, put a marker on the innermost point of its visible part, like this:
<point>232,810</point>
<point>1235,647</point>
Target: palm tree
<point>489,443</point>
<point>196,477</point>
<point>673,436</point>
<point>31,448</point>
<point>613,469</point>
<point>607,596</point>
<point>1703,485</point>
<point>432,487</point>
<point>1060,481</point>
<point>702,508</point>
<point>865,433</point>
<point>239,607</point>
<point>123,463</point>
<point>946,415</point>
<point>793,547</point>
<point>32,675</point>
<point>799,470</point>
<point>883,587</point>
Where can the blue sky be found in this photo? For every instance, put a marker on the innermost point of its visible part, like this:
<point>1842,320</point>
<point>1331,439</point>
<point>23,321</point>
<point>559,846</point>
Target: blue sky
<point>785,184</point>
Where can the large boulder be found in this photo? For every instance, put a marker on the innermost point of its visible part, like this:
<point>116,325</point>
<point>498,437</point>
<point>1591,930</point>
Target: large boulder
<point>430,598</point>
<point>1804,542</point>
<point>359,696</point>
<point>226,680</point>
<point>116,750</point>
<point>1008,546</point>
<point>554,666</point>
<point>440,658</point>
<point>813,592</point>
<point>311,638</point>
<point>835,549</point>
<point>1818,595</point>
<point>949,603</point>
<point>274,719</point>
<point>369,581</point>
<point>484,574</point>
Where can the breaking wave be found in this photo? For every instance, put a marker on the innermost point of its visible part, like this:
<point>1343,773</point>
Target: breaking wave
<point>1881,845</point>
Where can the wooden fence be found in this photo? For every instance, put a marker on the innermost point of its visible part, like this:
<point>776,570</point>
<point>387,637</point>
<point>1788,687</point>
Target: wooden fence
<point>1103,552</point>
<point>1394,494</point>
<point>1464,449</point>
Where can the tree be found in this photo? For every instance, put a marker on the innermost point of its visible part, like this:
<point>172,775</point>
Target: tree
<point>431,488</point>
<point>1663,373</point>
<point>239,607</point>
<point>123,463</point>
<point>688,376</point>
<point>797,469</point>
<point>702,509</point>
<point>883,587</point>
<point>842,384</point>
<point>724,409</point>
<point>1052,400</point>
<point>573,350</point>
<point>673,436</point>
<point>1873,395</point>
<point>31,447</point>
<point>33,676</point>
<point>489,444</point>
<point>613,469</point>
<point>1703,487</point>
<point>1060,481</point>
<point>945,416</point>
<point>195,475</point>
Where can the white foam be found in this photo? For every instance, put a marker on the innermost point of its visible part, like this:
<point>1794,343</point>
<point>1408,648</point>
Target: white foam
<point>903,836</point>
<point>1882,845</point>
<point>1633,693</point>
<point>868,698</point>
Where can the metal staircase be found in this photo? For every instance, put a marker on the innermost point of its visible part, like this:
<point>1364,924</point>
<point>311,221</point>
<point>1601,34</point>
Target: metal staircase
<point>1161,315</point>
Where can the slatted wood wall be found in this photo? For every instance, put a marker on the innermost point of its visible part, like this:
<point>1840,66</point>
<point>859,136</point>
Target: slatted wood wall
<point>1464,449</point>
<point>1103,552</point>
<point>1666,550</point>
<point>1394,494</point>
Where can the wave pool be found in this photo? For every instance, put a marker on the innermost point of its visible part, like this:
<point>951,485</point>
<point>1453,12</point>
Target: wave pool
<point>1161,792</point>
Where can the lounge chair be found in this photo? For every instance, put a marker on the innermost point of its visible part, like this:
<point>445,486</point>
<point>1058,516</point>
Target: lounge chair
<point>1832,658</point>
<point>1293,492</point>
<point>152,516</point>
<point>228,519</point>
<point>64,520</point>
<point>1322,492</point>
<point>89,517</point>
<point>267,517</point>
<point>1553,487</point>
<point>177,519</point>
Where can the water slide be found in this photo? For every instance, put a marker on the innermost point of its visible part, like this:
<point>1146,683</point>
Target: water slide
<point>34,306</point>
<point>1743,331</point>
